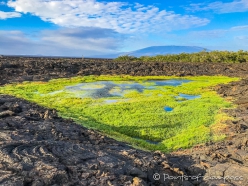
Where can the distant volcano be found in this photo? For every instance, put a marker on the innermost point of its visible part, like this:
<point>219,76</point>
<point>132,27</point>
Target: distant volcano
<point>157,50</point>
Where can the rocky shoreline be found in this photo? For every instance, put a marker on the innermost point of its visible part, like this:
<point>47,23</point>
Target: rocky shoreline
<point>39,148</point>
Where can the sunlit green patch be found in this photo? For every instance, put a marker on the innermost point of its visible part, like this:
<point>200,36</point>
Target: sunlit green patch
<point>135,116</point>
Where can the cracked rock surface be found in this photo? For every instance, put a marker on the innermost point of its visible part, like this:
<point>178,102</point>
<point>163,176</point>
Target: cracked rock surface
<point>39,148</point>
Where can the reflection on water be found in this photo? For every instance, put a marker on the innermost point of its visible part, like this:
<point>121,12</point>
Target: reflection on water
<point>111,101</point>
<point>171,82</point>
<point>114,91</point>
<point>152,142</point>
<point>168,109</point>
<point>148,141</point>
<point>105,89</point>
<point>187,97</point>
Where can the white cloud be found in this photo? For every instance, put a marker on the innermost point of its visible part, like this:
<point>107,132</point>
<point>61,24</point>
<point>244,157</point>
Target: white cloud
<point>243,38</point>
<point>233,38</point>
<point>220,7</point>
<point>209,34</point>
<point>6,15</point>
<point>87,38</point>
<point>120,16</point>
<point>214,34</point>
<point>243,27</point>
<point>65,41</point>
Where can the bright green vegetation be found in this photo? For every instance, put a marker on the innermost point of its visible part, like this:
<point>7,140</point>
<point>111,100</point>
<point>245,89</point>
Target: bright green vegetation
<point>213,56</point>
<point>139,116</point>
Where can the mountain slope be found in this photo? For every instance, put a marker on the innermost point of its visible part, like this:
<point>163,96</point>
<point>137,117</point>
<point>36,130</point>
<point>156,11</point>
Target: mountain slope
<point>163,50</point>
<point>156,50</point>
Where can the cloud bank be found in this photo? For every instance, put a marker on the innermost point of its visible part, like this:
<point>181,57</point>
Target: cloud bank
<point>220,7</point>
<point>7,15</point>
<point>65,41</point>
<point>120,16</point>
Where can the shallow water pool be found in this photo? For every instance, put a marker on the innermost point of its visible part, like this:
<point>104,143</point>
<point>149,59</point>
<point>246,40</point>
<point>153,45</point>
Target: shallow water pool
<point>165,113</point>
<point>108,89</point>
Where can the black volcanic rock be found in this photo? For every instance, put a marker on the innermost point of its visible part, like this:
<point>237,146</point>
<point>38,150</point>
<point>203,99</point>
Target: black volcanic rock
<point>15,69</point>
<point>39,148</point>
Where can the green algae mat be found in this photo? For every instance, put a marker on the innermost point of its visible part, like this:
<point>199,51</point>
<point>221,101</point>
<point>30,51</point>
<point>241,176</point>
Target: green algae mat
<point>151,112</point>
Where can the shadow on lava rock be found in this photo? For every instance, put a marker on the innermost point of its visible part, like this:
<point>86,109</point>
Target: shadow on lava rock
<point>38,147</point>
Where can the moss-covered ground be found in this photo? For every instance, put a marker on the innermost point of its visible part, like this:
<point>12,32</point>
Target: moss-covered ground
<point>139,118</point>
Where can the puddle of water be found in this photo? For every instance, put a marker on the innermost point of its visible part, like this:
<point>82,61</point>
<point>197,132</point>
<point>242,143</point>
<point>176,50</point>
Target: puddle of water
<point>152,142</point>
<point>171,82</point>
<point>168,109</point>
<point>135,86</point>
<point>187,97</point>
<point>55,92</point>
<point>116,91</point>
<point>107,89</point>
<point>50,93</point>
<point>111,101</point>
<point>148,141</point>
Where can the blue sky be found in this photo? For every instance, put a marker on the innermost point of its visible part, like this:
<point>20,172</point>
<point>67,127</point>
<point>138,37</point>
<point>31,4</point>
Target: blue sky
<point>92,27</point>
